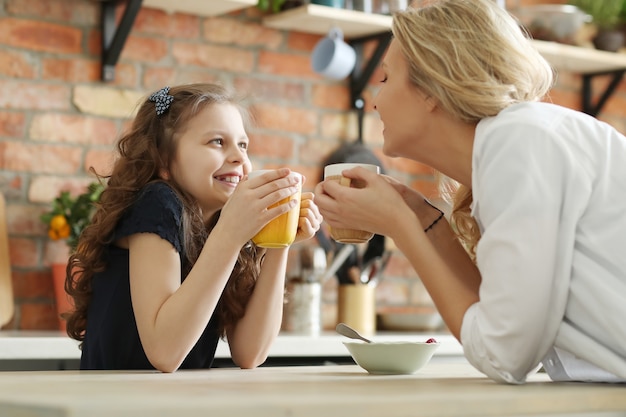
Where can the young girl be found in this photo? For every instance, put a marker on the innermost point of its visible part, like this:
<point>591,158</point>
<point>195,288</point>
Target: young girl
<point>539,208</point>
<point>167,267</point>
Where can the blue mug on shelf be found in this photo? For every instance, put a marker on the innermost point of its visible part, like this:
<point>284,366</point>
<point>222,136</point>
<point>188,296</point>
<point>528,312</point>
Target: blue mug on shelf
<point>332,3</point>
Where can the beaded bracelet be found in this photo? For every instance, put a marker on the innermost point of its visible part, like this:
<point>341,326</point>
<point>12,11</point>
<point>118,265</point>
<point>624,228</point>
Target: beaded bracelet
<point>437,219</point>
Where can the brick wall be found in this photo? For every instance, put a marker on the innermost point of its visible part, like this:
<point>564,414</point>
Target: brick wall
<point>57,118</point>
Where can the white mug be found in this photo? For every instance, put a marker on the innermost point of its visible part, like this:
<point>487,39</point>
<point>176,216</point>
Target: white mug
<point>332,57</point>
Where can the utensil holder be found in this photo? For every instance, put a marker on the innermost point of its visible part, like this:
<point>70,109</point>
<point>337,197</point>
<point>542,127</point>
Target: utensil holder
<point>302,308</point>
<point>356,306</point>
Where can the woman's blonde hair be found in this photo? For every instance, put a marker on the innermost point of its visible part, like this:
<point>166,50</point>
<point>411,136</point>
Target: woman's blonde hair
<point>475,60</point>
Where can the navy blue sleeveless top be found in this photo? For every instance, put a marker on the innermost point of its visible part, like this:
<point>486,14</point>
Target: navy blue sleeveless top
<point>111,339</point>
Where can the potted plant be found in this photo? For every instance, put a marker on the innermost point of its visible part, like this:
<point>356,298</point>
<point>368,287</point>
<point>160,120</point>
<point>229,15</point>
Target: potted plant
<point>606,15</point>
<point>65,222</point>
<point>277,6</point>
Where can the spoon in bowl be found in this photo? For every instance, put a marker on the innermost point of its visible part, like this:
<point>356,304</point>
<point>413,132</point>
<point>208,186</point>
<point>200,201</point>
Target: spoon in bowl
<point>345,330</point>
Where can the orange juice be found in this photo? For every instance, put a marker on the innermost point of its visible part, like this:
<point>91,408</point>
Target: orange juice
<point>280,232</point>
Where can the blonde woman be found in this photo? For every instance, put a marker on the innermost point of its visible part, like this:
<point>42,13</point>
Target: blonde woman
<point>533,271</point>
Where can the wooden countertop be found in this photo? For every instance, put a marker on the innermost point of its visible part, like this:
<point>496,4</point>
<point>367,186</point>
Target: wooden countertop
<point>25,345</point>
<point>439,389</point>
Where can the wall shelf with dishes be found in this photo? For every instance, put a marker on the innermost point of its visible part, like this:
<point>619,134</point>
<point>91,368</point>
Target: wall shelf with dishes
<point>200,7</point>
<point>317,19</point>
<point>357,27</point>
<point>585,61</point>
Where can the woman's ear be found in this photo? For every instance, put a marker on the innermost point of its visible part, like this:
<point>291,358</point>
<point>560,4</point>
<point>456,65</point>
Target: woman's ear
<point>431,103</point>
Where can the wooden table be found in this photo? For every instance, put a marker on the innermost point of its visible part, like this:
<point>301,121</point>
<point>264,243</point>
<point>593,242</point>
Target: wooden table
<point>439,389</point>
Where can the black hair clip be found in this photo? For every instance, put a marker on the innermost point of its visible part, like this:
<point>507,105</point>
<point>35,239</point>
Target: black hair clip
<point>162,100</point>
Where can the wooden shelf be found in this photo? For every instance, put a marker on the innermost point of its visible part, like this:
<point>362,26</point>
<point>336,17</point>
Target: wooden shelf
<point>200,7</point>
<point>313,18</point>
<point>580,60</point>
<point>318,19</point>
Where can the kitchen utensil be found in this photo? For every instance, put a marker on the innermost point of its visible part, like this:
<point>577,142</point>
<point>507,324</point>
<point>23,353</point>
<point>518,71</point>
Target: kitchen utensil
<point>378,268</point>
<point>347,331</point>
<point>312,263</point>
<point>338,260</point>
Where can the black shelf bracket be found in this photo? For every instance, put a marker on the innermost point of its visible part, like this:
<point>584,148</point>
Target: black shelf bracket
<point>588,106</point>
<point>114,36</point>
<point>362,73</point>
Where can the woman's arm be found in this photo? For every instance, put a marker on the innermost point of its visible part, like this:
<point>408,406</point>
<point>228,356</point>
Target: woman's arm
<point>384,207</point>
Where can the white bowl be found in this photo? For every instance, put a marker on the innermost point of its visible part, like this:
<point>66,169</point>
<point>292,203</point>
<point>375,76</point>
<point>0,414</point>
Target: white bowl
<point>391,357</point>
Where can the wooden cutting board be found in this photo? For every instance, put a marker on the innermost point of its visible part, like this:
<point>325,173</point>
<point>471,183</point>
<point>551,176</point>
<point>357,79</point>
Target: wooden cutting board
<point>6,289</point>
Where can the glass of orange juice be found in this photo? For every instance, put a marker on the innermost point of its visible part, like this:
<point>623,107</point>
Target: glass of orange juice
<point>280,232</point>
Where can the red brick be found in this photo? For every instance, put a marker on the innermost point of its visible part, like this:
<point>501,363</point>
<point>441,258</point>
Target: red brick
<point>286,119</point>
<point>84,70</point>
<point>268,90</point>
<point>156,78</point>
<point>16,65</point>
<point>300,41</point>
<point>186,76</point>
<point>94,42</point>
<point>184,26</point>
<point>40,36</point>
<point>23,219</point>
<point>32,284</point>
<point>38,316</point>
<point>150,21</point>
<point>570,99</point>
<point>340,126</point>
<point>12,124</point>
<point>215,57</point>
<point>144,49</point>
<point>615,106</point>
<point>78,129</point>
<point>67,11</point>
<point>315,151</point>
<point>286,65</point>
<point>15,156</point>
<point>100,160</point>
<point>272,146</point>
<point>230,31</point>
<point>43,189</point>
<point>333,96</point>
<point>23,252</point>
<point>33,96</point>
<point>71,70</point>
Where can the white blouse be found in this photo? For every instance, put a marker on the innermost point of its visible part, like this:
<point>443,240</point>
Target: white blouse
<point>549,189</point>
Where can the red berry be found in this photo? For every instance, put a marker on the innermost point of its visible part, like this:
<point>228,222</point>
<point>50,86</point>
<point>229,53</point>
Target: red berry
<point>431,340</point>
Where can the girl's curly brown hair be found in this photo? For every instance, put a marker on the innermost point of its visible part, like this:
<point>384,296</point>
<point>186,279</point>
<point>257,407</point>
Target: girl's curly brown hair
<point>144,151</point>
